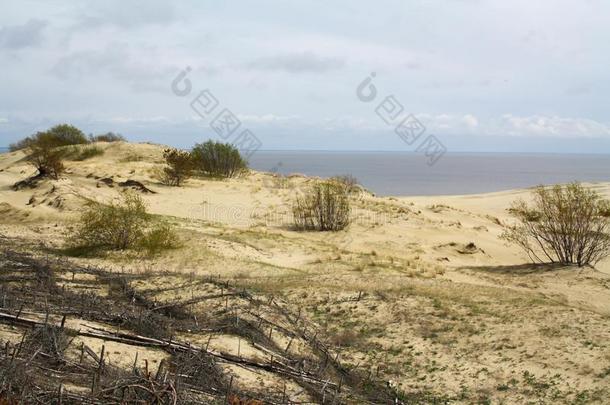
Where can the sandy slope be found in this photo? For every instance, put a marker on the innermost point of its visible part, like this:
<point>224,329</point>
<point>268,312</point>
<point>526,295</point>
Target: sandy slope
<point>433,315</point>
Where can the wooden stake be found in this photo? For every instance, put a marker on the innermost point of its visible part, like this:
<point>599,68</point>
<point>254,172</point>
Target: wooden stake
<point>229,390</point>
<point>289,343</point>
<point>284,393</point>
<point>135,363</point>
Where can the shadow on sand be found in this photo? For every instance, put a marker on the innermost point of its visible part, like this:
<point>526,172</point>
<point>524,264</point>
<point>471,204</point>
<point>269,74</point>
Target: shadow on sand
<point>521,269</point>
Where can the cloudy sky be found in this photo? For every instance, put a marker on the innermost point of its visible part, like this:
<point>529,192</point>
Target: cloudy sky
<point>492,75</point>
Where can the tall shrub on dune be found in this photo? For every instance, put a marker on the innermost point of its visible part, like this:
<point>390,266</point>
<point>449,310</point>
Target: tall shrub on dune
<point>122,224</point>
<point>562,224</point>
<point>45,149</point>
<point>323,207</point>
<point>179,167</point>
<point>218,159</point>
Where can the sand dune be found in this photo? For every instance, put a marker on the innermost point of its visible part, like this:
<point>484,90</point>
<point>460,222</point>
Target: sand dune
<point>445,306</point>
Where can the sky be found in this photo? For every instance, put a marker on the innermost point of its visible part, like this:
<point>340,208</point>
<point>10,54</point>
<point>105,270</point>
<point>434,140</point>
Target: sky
<point>493,75</point>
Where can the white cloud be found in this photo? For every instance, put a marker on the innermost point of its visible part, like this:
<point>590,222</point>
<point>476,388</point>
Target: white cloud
<point>139,120</point>
<point>470,121</point>
<point>266,118</point>
<point>450,123</point>
<point>293,66</point>
<point>540,125</point>
<point>469,124</point>
<point>3,120</point>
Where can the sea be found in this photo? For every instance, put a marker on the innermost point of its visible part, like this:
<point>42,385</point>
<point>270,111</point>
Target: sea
<point>408,174</point>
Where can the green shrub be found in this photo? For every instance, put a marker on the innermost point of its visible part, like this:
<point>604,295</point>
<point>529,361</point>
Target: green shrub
<point>564,224</point>
<point>20,145</point>
<point>59,135</point>
<point>79,154</point>
<point>159,238</point>
<point>107,137</point>
<point>218,159</point>
<point>65,134</point>
<point>118,225</point>
<point>45,150</point>
<point>179,167</point>
<point>324,207</point>
<point>45,157</point>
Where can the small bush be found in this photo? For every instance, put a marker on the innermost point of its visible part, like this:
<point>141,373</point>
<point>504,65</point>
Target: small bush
<point>59,135</point>
<point>565,224</point>
<point>324,207</point>
<point>80,154</point>
<point>159,238</point>
<point>20,145</point>
<point>122,224</point>
<point>45,157</point>
<point>118,225</point>
<point>179,166</point>
<point>107,137</point>
<point>218,159</point>
<point>44,148</point>
<point>64,135</point>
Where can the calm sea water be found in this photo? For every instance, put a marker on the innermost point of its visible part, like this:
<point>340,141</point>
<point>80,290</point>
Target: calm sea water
<point>402,174</point>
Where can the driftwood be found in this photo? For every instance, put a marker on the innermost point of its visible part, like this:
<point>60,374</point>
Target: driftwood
<point>137,340</point>
<point>322,376</point>
<point>136,185</point>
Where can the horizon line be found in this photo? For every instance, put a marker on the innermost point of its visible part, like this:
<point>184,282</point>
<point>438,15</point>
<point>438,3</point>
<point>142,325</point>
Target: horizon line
<point>394,151</point>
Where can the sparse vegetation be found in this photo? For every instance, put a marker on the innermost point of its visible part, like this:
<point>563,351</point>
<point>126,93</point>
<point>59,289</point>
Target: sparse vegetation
<point>363,310</point>
<point>159,238</point>
<point>565,224</point>
<point>45,149</point>
<point>59,135</point>
<point>82,153</point>
<point>45,156</point>
<point>349,181</point>
<point>324,207</point>
<point>118,225</point>
<point>121,225</point>
<point>218,159</point>
<point>179,166</point>
<point>107,137</point>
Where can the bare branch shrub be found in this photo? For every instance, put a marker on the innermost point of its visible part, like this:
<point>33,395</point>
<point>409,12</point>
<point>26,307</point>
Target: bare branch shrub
<point>564,224</point>
<point>49,339</point>
<point>349,181</point>
<point>324,207</point>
